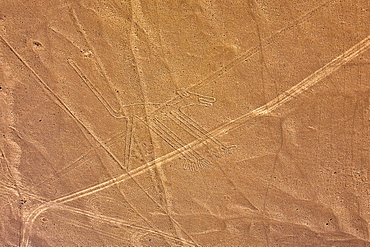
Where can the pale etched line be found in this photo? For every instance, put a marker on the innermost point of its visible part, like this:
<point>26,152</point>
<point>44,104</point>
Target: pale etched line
<point>15,190</point>
<point>118,136</point>
<point>137,15</point>
<point>188,126</point>
<point>198,131</point>
<point>178,120</point>
<point>83,159</point>
<point>67,39</point>
<point>101,232</point>
<point>128,142</point>
<point>78,162</point>
<point>135,46</point>
<point>203,99</point>
<point>162,178</point>
<point>196,160</point>
<point>174,137</point>
<point>200,100</point>
<point>7,170</point>
<point>248,54</point>
<point>99,63</point>
<point>138,213</point>
<point>140,104</point>
<point>114,113</point>
<point>120,222</point>
<point>157,131</point>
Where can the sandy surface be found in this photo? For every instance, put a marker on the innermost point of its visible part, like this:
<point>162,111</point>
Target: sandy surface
<point>184,123</point>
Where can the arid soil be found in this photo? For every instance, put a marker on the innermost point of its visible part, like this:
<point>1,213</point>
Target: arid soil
<point>184,123</point>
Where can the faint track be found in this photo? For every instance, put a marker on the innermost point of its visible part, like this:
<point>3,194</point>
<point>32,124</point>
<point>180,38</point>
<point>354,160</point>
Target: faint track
<point>128,142</point>
<point>114,113</point>
<point>118,114</point>
<point>174,141</point>
<point>121,223</point>
<point>99,64</point>
<point>197,131</point>
<point>248,54</point>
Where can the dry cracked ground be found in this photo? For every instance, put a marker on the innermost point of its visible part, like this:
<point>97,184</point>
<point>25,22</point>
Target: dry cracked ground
<point>184,123</point>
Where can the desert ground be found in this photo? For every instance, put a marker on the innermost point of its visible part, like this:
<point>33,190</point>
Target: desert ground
<point>164,123</point>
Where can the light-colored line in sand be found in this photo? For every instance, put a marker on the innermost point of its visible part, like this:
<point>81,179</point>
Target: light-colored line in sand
<point>121,222</point>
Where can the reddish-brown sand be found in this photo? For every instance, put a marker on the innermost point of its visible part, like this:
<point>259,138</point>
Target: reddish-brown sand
<point>184,123</point>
